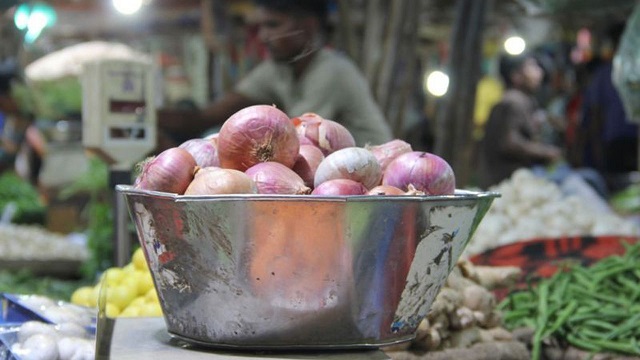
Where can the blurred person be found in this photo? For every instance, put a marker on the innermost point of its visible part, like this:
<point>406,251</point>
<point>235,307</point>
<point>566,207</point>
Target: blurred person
<point>301,75</point>
<point>511,137</point>
<point>13,124</point>
<point>610,140</point>
<point>514,136</point>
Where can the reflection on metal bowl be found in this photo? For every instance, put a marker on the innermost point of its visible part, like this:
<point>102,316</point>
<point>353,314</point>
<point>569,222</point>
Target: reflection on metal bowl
<point>282,272</point>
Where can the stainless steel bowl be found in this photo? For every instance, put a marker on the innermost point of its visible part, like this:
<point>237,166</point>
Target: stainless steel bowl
<point>283,272</point>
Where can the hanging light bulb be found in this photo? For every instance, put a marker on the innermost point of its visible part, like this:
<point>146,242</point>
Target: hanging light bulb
<point>437,83</point>
<point>515,45</point>
<point>127,7</point>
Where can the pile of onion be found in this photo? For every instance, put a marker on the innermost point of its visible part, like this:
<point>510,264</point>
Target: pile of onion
<point>260,150</point>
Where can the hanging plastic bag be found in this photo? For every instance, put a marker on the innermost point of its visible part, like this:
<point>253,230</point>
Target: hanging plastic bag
<point>626,67</point>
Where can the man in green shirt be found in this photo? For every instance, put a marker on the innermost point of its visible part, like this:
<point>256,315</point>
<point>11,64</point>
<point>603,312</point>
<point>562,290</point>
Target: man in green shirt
<point>300,76</point>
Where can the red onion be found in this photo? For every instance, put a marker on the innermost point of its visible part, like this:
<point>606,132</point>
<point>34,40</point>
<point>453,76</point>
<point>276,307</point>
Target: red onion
<point>354,163</point>
<point>340,187</point>
<point>215,181</point>
<point>170,171</point>
<point>307,163</point>
<point>385,190</point>
<point>326,134</point>
<point>388,151</point>
<point>205,152</point>
<point>256,134</point>
<point>274,178</point>
<point>425,171</point>
<point>305,141</point>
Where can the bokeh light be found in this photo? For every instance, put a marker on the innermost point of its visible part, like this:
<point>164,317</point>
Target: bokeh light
<point>437,83</point>
<point>515,45</point>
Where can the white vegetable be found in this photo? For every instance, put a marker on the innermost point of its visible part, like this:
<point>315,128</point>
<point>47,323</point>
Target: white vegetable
<point>31,328</point>
<point>71,329</point>
<point>85,352</point>
<point>37,347</point>
<point>31,242</point>
<point>75,348</point>
<point>531,207</point>
<point>62,314</point>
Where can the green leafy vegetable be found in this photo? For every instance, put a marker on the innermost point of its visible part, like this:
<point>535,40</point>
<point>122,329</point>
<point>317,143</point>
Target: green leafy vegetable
<point>29,207</point>
<point>24,282</point>
<point>627,201</point>
<point>99,215</point>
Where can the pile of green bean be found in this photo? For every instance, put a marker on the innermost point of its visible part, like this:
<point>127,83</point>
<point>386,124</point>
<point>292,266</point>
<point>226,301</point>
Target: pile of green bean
<point>595,308</point>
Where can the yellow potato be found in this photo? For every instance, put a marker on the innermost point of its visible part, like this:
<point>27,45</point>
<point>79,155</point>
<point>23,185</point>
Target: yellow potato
<point>113,275</point>
<point>145,282</point>
<point>112,310</point>
<point>139,260</point>
<point>131,280</point>
<point>151,309</point>
<point>83,296</point>
<point>131,311</point>
<point>120,295</point>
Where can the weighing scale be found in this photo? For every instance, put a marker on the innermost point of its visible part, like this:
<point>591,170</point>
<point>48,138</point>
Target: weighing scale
<point>119,125</point>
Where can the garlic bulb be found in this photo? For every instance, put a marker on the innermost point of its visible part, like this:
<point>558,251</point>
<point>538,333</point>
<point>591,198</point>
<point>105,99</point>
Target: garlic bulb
<point>532,207</point>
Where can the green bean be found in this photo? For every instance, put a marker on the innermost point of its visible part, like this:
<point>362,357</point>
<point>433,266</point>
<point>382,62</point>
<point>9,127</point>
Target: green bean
<point>596,323</point>
<point>582,343</point>
<point>630,285</point>
<point>520,297</point>
<point>562,317</point>
<point>617,346</point>
<point>579,318</point>
<point>603,297</point>
<point>515,314</point>
<point>582,279</point>
<point>634,343</point>
<point>590,334</point>
<point>595,308</point>
<point>542,319</point>
<point>559,293</point>
<point>613,271</point>
<point>630,324</point>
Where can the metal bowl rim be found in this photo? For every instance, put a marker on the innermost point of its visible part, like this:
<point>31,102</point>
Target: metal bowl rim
<point>459,195</point>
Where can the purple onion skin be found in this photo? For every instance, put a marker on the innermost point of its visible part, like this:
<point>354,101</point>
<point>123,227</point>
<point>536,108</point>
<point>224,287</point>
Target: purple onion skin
<point>340,187</point>
<point>170,171</point>
<point>307,163</point>
<point>258,133</point>
<point>425,171</point>
<point>387,152</point>
<point>274,178</point>
<point>204,151</point>
<point>327,135</point>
